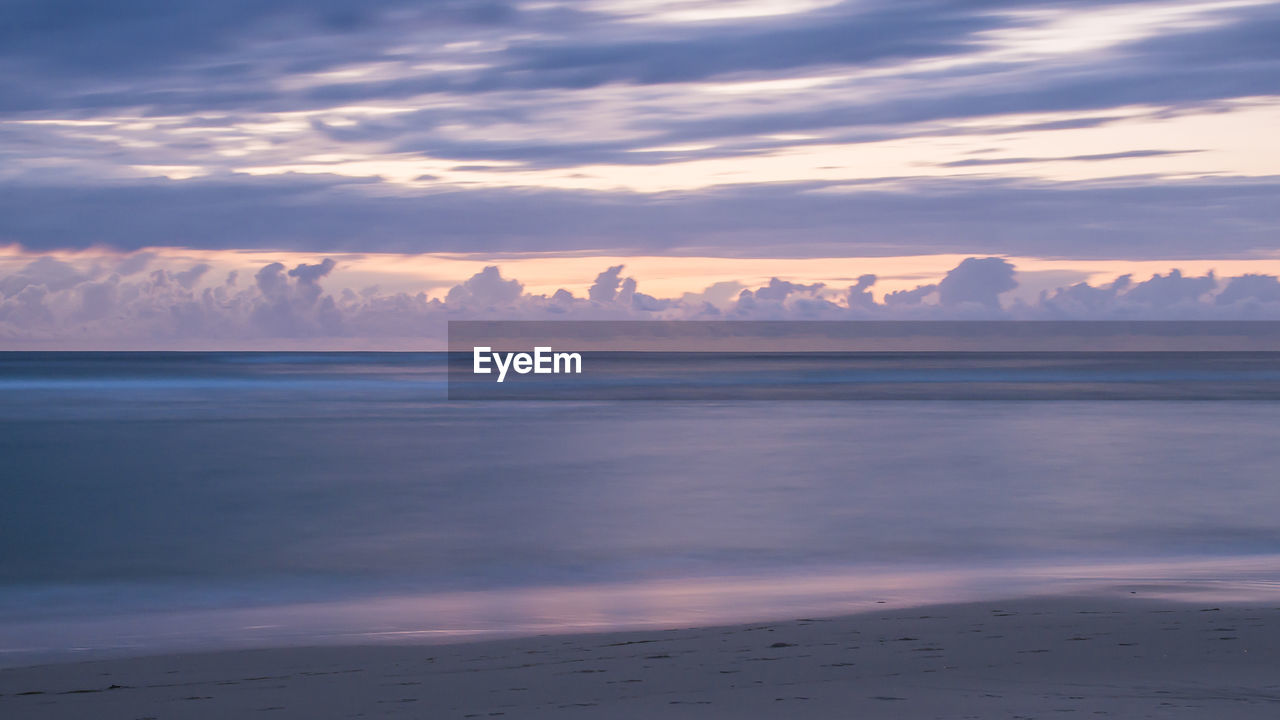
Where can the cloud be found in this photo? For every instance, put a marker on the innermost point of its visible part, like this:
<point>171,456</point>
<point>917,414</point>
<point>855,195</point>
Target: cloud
<point>184,51</point>
<point>91,99</point>
<point>487,289</point>
<point>1171,296</point>
<point>309,278</point>
<point>199,56</point>
<point>779,290</point>
<point>977,280</point>
<point>317,214</point>
<point>177,308</point>
<point>1083,299</point>
<point>859,295</point>
<point>781,299</point>
<point>1250,290</point>
<point>189,277</point>
<point>905,298</point>
<point>1170,290</point>
<point>51,273</point>
<point>860,33</point>
<point>605,288</point>
<point>135,263</point>
<point>1069,158</point>
<point>297,308</point>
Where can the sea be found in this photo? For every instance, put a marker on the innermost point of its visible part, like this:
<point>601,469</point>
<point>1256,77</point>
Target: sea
<point>167,502</point>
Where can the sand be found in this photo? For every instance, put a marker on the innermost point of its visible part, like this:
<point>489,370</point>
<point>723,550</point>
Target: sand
<point>1057,657</point>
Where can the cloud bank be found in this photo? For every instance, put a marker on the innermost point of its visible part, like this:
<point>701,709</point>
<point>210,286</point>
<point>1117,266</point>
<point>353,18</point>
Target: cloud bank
<point>53,303</point>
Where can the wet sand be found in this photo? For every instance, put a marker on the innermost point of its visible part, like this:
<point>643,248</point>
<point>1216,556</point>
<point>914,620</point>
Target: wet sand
<point>1046,657</point>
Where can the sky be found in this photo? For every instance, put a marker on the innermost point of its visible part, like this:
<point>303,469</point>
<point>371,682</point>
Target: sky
<point>241,172</point>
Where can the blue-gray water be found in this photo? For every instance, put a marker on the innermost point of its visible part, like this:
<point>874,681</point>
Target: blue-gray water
<point>158,501</point>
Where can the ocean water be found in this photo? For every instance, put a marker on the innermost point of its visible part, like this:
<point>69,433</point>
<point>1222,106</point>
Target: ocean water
<point>156,502</point>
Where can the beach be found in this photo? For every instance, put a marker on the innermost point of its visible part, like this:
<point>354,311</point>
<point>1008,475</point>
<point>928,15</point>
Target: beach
<point>1037,657</point>
<point>327,536</point>
<point>639,359</point>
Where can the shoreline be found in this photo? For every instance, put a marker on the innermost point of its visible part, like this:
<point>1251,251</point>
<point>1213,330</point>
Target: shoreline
<point>1061,654</point>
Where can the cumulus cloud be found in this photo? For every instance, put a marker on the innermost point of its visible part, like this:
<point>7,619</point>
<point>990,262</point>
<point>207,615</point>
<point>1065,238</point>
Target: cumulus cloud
<point>915,296</point>
<point>293,308</point>
<point>1082,299</point>
<point>51,301</point>
<point>486,289</point>
<point>781,299</point>
<point>1250,289</point>
<point>189,277</point>
<point>606,285</point>
<point>1171,290</point>
<point>978,281</point>
<point>51,273</point>
<point>859,295</point>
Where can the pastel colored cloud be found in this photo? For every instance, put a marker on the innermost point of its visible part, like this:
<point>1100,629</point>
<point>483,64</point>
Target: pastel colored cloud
<point>139,302</point>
